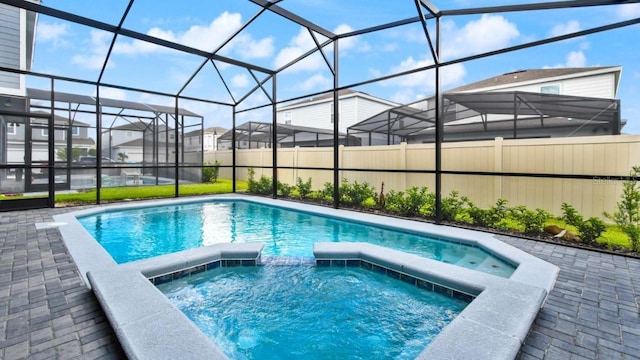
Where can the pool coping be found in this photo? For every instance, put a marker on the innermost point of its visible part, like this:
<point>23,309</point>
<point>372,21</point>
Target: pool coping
<point>486,330</point>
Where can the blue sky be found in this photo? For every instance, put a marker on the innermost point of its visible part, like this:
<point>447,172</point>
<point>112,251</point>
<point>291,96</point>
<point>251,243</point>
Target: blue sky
<point>71,50</point>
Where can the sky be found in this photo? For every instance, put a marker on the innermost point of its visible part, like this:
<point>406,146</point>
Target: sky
<point>67,49</point>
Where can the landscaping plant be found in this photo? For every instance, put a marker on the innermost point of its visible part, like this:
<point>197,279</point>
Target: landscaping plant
<point>263,186</point>
<point>628,214</point>
<point>532,221</point>
<point>411,203</point>
<point>303,187</point>
<point>453,206</point>
<point>211,173</point>
<point>588,230</point>
<point>493,217</point>
<point>354,194</point>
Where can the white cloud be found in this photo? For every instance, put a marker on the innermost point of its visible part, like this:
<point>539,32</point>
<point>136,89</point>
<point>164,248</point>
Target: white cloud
<point>317,81</point>
<point>91,62</point>
<point>53,33</point>
<point>251,49</point>
<point>425,80</point>
<point>628,11</point>
<point>352,42</point>
<point>112,93</point>
<point>574,59</point>
<point>302,42</point>
<point>490,32</point>
<point>206,38</point>
<point>98,47</point>
<point>240,81</point>
<point>567,28</point>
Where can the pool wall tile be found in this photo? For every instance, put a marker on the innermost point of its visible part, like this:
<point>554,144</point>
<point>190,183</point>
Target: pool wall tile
<point>323,263</point>
<point>353,263</point>
<point>424,284</point>
<point>378,269</point>
<point>163,279</point>
<point>408,279</point>
<point>198,269</point>
<point>393,274</point>
<point>213,265</point>
<point>338,263</point>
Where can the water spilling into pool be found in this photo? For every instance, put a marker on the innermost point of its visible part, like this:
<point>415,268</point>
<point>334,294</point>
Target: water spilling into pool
<point>141,233</point>
<point>284,312</point>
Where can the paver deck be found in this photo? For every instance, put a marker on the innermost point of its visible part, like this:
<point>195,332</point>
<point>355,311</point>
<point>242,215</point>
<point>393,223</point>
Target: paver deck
<point>47,312</point>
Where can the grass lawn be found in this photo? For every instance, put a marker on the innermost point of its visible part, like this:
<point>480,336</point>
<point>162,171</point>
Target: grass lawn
<point>222,186</point>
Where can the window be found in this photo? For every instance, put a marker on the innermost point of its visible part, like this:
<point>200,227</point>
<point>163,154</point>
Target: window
<point>550,89</point>
<point>288,116</point>
<point>287,122</point>
<point>11,129</point>
<point>45,132</point>
<point>75,131</point>
<point>129,133</point>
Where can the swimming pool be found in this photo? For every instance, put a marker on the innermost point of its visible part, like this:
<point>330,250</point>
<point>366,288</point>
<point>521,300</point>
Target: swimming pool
<point>282,312</point>
<point>492,326</point>
<point>151,231</point>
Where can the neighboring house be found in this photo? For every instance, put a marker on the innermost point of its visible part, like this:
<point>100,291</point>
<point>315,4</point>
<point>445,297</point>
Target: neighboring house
<point>210,137</point>
<point>196,140</point>
<point>65,137</point>
<point>132,149</point>
<point>127,139</point>
<point>555,102</point>
<point>317,112</point>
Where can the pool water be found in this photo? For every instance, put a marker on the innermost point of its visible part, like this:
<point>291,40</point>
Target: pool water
<point>284,312</point>
<point>151,231</point>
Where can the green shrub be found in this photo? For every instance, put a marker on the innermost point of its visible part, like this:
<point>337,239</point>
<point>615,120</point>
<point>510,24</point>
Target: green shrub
<point>326,193</point>
<point>284,189</point>
<point>411,203</point>
<point>493,217</point>
<point>263,186</point>
<point>303,187</point>
<point>354,194</point>
<point>211,173</point>
<point>453,206</point>
<point>628,214</point>
<point>532,221</point>
<point>588,230</point>
<point>251,181</point>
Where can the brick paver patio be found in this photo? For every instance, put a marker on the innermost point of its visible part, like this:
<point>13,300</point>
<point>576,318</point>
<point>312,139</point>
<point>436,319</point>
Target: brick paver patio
<point>47,312</point>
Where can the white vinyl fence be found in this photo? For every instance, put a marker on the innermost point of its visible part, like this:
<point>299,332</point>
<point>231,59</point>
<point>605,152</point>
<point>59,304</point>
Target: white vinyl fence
<point>604,157</point>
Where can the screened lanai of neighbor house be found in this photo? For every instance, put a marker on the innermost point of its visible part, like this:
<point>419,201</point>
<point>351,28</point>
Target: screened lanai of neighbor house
<point>252,134</point>
<point>487,115</point>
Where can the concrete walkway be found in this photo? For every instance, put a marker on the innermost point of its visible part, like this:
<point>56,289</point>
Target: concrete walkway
<point>46,311</point>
